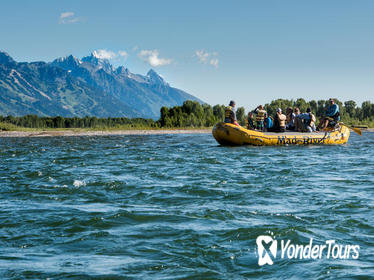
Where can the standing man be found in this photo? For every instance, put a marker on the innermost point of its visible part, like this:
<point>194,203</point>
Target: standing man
<point>260,117</point>
<point>230,115</point>
<point>332,115</point>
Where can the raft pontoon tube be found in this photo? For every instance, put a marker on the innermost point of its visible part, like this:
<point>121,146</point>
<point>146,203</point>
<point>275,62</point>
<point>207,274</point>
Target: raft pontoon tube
<point>232,135</point>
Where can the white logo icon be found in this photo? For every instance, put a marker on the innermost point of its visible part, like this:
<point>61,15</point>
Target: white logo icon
<point>266,246</point>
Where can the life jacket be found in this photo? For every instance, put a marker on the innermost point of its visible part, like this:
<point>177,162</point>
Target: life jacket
<point>260,115</point>
<point>228,114</point>
<point>337,116</point>
<point>312,120</point>
<point>228,110</point>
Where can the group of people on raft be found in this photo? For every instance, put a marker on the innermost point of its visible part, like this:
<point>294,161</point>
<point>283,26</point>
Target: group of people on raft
<point>294,120</point>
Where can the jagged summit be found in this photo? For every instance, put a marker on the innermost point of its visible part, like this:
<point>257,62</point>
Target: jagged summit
<point>122,71</point>
<point>69,62</point>
<point>68,58</point>
<point>95,60</point>
<point>155,78</point>
<point>5,58</point>
<point>92,58</point>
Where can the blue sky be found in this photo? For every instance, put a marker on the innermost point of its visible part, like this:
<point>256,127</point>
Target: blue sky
<point>249,51</point>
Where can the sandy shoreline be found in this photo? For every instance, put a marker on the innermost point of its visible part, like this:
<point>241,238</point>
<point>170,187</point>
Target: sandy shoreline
<point>47,133</point>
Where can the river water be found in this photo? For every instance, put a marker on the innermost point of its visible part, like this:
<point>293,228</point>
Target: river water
<point>181,207</point>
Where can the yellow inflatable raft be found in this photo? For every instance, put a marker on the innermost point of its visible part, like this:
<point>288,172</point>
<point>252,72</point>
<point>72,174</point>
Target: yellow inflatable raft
<point>229,134</point>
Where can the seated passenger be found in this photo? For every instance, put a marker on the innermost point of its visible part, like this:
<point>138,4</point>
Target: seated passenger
<point>299,125</point>
<point>332,115</point>
<point>290,122</point>
<point>250,124</point>
<point>279,122</point>
<point>309,120</point>
<point>282,120</point>
<point>230,115</point>
<point>268,122</point>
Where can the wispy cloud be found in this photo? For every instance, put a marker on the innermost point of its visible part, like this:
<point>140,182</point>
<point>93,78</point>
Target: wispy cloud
<point>207,58</point>
<point>123,54</point>
<point>104,54</point>
<point>152,58</point>
<point>214,62</point>
<point>202,56</point>
<point>108,54</point>
<point>68,17</point>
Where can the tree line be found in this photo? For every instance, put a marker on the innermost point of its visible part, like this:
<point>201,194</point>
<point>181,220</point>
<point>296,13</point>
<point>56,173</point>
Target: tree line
<point>34,121</point>
<point>350,112</point>
<point>194,114</point>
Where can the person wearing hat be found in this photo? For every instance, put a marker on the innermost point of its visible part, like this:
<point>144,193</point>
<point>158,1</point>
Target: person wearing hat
<point>309,120</point>
<point>230,115</point>
<point>332,115</point>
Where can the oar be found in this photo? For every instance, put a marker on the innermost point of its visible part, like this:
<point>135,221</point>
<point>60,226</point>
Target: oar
<point>355,129</point>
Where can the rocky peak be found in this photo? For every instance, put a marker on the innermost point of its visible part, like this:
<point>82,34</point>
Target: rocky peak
<point>122,71</point>
<point>6,59</point>
<point>68,62</point>
<point>98,62</point>
<point>155,78</point>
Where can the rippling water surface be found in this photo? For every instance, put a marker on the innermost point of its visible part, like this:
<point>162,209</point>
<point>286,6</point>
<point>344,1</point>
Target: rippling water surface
<point>180,207</point>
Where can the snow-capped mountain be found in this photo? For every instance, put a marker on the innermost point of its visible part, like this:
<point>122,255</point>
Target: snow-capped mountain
<point>69,86</point>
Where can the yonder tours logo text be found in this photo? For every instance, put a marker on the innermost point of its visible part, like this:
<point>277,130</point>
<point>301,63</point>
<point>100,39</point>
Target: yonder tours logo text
<point>267,248</point>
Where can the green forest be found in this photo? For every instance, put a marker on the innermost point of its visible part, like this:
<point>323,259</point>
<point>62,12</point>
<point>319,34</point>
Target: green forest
<point>191,115</point>
<point>196,115</point>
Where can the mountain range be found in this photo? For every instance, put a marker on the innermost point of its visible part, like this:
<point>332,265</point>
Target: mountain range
<point>90,86</point>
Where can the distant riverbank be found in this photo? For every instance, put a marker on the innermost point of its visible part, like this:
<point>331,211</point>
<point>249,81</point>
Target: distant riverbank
<point>53,133</point>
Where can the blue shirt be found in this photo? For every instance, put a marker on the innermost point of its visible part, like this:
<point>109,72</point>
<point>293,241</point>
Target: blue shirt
<point>332,110</point>
<point>304,116</point>
<point>268,122</point>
